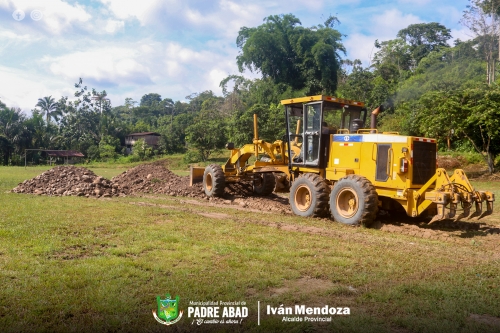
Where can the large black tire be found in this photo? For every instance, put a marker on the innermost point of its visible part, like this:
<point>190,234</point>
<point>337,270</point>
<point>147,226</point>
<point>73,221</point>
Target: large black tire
<point>263,184</point>
<point>354,201</point>
<point>214,181</point>
<point>309,196</point>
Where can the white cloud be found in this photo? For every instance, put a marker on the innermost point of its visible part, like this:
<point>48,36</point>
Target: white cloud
<point>200,70</point>
<point>113,26</point>
<point>360,47</point>
<point>7,35</point>
<point>21,89</point>
<point>127,9</point>
<point>462,34</point>
<point>58,16</point>
<point>384,26</point>
<point>111,64</point>
<point>223,17</point>
<point>169,69</point>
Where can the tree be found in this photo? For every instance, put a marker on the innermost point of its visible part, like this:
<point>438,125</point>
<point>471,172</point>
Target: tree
<point>423,38</point>
<point>471,113</point>
<point>49,107</point>
<point>15,135</point>
<point>302,58</point>
<point>142,150</point>
<point>482,18</point>
<point>207,133</point>
<point>150,99</point>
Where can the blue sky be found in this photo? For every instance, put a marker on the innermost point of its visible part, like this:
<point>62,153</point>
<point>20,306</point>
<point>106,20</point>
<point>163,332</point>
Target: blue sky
<point>171,47</point>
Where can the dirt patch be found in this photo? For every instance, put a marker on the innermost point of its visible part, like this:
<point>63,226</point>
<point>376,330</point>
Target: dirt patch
<point>215,215</point>
<point>485,319</point>
<point>79,251</point>
<point>69,180</point>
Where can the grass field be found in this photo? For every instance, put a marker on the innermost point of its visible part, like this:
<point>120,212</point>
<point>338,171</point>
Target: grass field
<point>70,264</point>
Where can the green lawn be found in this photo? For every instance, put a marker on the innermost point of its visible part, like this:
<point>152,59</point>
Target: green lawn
<point>74,264</point>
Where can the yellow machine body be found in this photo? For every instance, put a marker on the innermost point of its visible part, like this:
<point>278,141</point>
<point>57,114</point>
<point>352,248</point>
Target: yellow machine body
<point>328,145</point>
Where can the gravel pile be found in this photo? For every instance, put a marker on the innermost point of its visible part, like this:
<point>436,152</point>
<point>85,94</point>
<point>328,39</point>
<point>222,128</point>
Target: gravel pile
<point>69,180</point>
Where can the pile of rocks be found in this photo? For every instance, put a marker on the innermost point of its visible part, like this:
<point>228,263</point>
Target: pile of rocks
<point>69,180</point>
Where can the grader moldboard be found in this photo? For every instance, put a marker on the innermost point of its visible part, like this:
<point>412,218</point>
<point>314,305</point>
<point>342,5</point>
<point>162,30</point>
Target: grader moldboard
<point>337,167</point>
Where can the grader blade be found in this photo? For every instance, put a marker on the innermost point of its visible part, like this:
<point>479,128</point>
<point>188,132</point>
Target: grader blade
<point>196,175</point>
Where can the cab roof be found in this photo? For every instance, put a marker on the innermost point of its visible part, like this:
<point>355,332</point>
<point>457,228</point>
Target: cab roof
<point>307,99</point>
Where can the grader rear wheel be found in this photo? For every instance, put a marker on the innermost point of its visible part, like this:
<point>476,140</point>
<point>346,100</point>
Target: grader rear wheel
<point>354,201</point>
<point>263,184</point>
<point>214,181</point>
<point>309,196</point>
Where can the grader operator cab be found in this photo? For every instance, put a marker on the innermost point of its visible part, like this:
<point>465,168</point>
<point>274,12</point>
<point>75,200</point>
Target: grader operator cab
<point>336,166</point>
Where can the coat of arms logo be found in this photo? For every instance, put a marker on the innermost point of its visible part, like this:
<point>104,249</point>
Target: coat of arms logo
<point>168,310</point>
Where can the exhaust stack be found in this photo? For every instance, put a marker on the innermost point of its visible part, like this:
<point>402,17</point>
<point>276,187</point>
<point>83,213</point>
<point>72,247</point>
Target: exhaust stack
<point>373,118</point>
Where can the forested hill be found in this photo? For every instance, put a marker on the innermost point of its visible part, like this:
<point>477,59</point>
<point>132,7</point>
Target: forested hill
<point>429,83</point>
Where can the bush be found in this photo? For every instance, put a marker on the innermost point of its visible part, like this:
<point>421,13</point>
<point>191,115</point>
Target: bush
<point>192,156</point>
<point>107,152</point>
<point>93,153</point>
<point>141,150</point>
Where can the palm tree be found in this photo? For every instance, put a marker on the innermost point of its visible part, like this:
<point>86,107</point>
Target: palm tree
<point>49,106</point>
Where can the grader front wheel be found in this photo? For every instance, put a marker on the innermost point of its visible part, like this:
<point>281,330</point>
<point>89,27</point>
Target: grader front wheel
<point>309,196</point>
<point>354,201</point>
<point>214,181</point>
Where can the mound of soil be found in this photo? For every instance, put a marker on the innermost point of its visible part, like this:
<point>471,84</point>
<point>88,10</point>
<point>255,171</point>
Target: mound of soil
<point>451,163</point>
<point>153,178</point>
<point>156,178</point>
<point>69,180</point>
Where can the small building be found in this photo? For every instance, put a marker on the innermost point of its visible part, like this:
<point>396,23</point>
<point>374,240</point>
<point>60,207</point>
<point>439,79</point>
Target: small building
<point>151,138</point>
<point>64,156</point>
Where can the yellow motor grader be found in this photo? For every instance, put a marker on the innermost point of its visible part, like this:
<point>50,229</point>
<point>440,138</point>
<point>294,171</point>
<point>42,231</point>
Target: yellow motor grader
<point>336,166</point>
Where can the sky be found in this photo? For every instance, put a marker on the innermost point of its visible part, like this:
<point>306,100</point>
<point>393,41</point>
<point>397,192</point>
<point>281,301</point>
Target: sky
<point>172,47</point>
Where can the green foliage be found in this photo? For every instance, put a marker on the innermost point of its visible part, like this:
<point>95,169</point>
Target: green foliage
<point>142,150</point>
<point>473,113</point>
<point>207,133</point>
<point>50,108</point>
<point>284,51</point>
<point>192,156</point>
<point>271,124</point>
<point>93,153</point>
<point>150,99</point>
<point>173,134</point>
<point>423,38</point>
<point>108,147</point>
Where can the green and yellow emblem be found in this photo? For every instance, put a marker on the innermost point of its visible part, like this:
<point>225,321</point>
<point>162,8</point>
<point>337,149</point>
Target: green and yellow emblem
<point>168,310</point>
